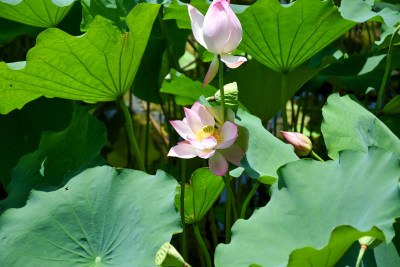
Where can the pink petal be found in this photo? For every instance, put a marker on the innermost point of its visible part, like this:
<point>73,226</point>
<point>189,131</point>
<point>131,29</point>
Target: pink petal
<point>181,127</point>
<point>193,120</point>
<point>205,116</point>
<point>218,164</point>
<point>212,71</point>
<point>229,133</point>
<point>197,20</point>
<point>205,153</point>
<point>232,61</point>
<point>233,154</point>
<point>206,143</point>
<point>183,150</point>
<point>235,29</point>
<point>216,30</point>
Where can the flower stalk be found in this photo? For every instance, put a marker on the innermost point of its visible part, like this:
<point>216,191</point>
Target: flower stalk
<point>283,102</point>
<point>248,198</point>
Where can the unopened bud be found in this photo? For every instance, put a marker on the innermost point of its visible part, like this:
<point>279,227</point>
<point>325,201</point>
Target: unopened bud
<point>302,144</point>
<point>167,255</point>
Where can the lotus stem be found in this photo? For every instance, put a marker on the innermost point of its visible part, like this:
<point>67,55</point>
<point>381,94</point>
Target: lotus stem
<point>221,88</point>
<point>283,101</point>
<point>314,155</point>
<point>248,198</point>
<point>132,141</point>
<point>202,244</point>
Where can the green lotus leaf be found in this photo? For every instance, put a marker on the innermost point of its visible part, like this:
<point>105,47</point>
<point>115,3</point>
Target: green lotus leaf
<point>282,37</point>
<point>200,194</point>
<point>102,216</point>
<point>39,13</point>
<point>21,130</point>
<point>318,210</point>
<point>348,125</point>
<point>360,11</point>
<point>260,86</point>
<point>265,153</point>
<point>59,154</point>
<point>98,66</point>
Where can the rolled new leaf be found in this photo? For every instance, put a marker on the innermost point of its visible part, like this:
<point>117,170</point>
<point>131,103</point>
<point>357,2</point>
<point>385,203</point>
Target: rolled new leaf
<point>200,194</point>
<point>167,255</point>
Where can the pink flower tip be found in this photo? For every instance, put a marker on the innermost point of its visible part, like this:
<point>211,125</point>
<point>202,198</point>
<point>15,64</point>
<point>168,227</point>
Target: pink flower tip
<point>301,143</point>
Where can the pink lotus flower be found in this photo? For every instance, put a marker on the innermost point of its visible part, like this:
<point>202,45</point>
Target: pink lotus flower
<point>219,32</point>
<point>302,144</point>
<point>205,138</point>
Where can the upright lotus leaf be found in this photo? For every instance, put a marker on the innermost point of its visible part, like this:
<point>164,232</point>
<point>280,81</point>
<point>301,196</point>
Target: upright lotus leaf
<point>260,86</point>
<point>39,13</point>
<point>282,37</point>
<point>265,153</point>
<point>360,11</point>
<point>98,66</point>
<point>200,194</point>
<point>185,90</point>
<point>348,125</point>
<point>58,154</point>
<point>21,130</point>
<point>113,10</point>
<point>318,210</point>
<point>103,216</point>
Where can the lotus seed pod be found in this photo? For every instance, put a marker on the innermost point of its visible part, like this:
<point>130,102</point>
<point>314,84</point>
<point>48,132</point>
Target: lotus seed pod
<point>369,241</point>
<point>168,256</point>
<point>231,96</point>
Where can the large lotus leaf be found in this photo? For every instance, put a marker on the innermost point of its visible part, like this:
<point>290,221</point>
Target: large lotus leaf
<point>21,130</point>
<point>113,10</point>
<point>185,90</point>
<point>265,153</point>
<point>102,216</point>
<point>348,125</point>
<point>58,154</point>
<point>360,11</point>
<point>260,87</point>
<point>282,37</point>
<point>39,13</point>
<point>318,210</point>
<point>200,194</point>
<point>98,66</point>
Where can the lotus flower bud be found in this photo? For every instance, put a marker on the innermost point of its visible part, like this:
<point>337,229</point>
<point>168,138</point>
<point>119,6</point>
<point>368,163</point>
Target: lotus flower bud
<point>302,144</point>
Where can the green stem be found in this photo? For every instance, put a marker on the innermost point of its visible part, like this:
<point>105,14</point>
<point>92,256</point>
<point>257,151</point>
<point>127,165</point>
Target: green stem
<point>221,87</point>
<point>360,256</point>
<point>131,136</point>
<point>228,209</point>
<point>202,245</point>
<point>283,102</point>
<point>183,184</point>
<point>314,155</point>
<point>380,102</point>
<point>146,147</point>
<point>233,202</point>
<point>248,198</point>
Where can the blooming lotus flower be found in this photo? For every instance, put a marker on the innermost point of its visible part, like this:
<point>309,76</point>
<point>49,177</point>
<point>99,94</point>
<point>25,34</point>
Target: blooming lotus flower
<point>219,32</point>
<point>206,139</point>
<point>302,144</point>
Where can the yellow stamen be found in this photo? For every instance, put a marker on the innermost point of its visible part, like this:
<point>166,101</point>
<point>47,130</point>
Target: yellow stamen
<point>206,132</point>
